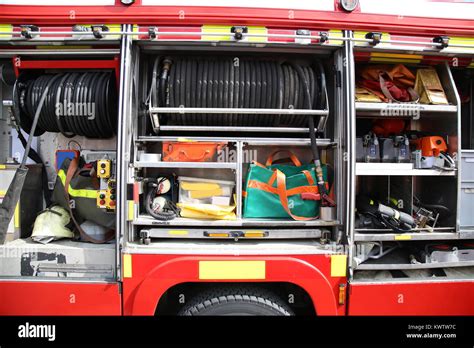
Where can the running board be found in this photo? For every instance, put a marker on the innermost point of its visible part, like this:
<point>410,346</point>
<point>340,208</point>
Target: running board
<point>226,233</point>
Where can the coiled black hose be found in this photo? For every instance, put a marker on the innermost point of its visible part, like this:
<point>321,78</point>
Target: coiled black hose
<point>230,82</point>
<point>77,103</point>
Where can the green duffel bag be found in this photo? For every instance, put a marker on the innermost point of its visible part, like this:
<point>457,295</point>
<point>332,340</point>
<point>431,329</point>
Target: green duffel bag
<point>275,190</point>
<point>76,189</point>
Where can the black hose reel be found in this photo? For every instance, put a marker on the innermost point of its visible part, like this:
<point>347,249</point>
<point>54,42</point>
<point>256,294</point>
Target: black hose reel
<point>236,82</point>
<point>77,103</point>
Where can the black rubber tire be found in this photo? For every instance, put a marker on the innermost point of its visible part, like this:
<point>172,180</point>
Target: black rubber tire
<point>236,301</point>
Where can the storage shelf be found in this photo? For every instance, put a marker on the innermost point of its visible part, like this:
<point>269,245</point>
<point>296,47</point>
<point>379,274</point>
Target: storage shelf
<point>206,165</point>
<point>238,129</point>
<point>167,232</point>
<point>371,237</point>
<point>246,140</point>
<point>407,266</point>
<point>145,220</point>
<point>397,169</point>
<point>410,109</point>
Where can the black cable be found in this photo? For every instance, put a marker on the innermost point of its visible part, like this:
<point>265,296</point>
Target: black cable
<point>312,132</point>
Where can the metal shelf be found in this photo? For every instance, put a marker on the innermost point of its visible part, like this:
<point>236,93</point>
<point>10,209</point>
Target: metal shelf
<point>145,220</point>
<point>234,129</point>
<point>408,108</point>
<point>202,233</point>
<point>246,140</point>
<point>205,165</point>
<point>397,169</point>
<point>228,247</point>
<point>423,235</point>
<point>407,266</point>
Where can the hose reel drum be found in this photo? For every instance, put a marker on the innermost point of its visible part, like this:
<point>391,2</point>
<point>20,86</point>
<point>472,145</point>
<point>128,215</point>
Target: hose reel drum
<point>77,103</point>
<point>236,82</point>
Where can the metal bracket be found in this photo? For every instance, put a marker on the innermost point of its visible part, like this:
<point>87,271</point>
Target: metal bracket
<point>443,40</point>
<point>376,37</point>
<point>304,32</point>
<point>152,32</point>
<point>98,29</point>
<point>325,237</point>
<point>238,32</point>
<point>26,31</point>
<point>304,40</point>
<point>323,36</point>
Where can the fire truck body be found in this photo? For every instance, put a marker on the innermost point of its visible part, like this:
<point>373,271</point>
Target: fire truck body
<point>328,266</point>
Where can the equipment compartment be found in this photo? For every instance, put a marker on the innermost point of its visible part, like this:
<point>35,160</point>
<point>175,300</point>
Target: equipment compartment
<point>242,96</point>
<point>78,98</point>
<point>412,186</point>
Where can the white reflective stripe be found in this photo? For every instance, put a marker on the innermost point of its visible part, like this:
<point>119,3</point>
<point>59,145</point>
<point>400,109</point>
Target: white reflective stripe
<point>420,8</point>
<point>59,2</point>
<point>315,5</point>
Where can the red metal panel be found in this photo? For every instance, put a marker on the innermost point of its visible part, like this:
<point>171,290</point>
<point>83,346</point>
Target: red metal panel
<point>55,298</point>
<point>20,64</point>
<point>433,298</point>
<point>170,15</point>
<point>68,64</point>
<point>153,275</point>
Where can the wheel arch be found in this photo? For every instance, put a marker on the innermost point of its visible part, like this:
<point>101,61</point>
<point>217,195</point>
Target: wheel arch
<point>176,271</point>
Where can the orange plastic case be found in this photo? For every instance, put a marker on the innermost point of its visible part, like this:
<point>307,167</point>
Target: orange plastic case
<point>191,151</point>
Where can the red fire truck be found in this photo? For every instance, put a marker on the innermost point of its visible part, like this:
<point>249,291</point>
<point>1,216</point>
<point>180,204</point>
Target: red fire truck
<point>245,81</point>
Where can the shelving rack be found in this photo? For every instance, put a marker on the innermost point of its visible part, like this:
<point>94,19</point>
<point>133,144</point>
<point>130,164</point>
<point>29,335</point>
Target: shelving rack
<point>262,139</point>
<point>421,115</point>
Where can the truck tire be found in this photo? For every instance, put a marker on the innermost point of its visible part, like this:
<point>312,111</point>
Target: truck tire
<point>236,300</point>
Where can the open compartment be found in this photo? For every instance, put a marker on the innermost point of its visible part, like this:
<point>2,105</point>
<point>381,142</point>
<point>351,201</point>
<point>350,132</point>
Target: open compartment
<point>403,88</point>
<point>77,122</point>
<point>413,202</point>
<point>417,255</point>
<point>248,100</point>
<point>406,147</point>
<point>201,91</point>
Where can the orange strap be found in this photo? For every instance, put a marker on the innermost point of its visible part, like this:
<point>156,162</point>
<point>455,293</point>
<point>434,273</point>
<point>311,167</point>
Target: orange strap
<point>259,164</point>
<point>283,194</point>
<point>308,177</point>
<point>290,192</point>
<point>272,178</point>
<point>293,158</point>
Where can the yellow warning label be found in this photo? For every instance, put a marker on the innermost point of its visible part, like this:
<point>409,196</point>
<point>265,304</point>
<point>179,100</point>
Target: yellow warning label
<point>127,266</point>
<point>395,58</point>
<point>232,270</point>
<point>402,237</point>
<point>131,210</point>
<point>338,265</point>
<point>334,34</point>
<point>228,36</point>
<point>17,216</point>
<point>6,28</point>
<point>178,233</point>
